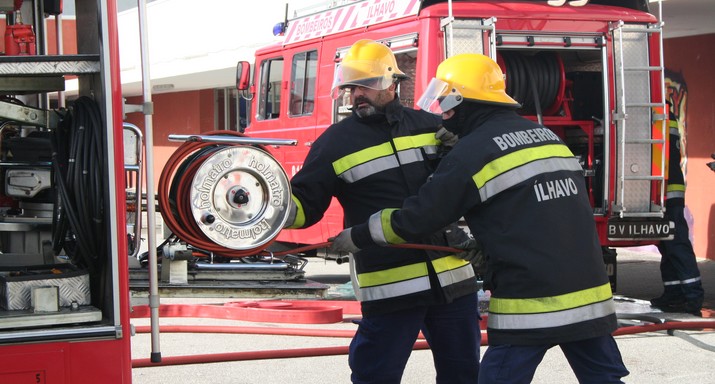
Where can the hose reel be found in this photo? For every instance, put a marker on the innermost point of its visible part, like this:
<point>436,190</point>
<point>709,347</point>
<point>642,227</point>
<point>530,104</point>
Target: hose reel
<point>224,194</point>
<point>536,81</point>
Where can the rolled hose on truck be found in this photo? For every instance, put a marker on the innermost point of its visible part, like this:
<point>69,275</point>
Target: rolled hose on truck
<point>213,196</point>
<point>227,198</point>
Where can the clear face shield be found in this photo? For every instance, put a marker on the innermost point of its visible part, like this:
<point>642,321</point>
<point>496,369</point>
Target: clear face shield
<point>439,97</point>
<point>366,74</point>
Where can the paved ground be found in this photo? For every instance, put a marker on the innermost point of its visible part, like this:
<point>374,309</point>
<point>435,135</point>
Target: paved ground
<point>681,356</point>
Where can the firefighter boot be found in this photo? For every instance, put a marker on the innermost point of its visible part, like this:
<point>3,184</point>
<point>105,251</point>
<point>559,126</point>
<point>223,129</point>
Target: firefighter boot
<point>671,305</point>
<point>667,299</point>
<point>694,307</point>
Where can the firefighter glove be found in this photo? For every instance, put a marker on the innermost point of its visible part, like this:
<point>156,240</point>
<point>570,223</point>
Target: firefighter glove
<point>343,242</point>
<point>447,138</point>
<point>711,165</point>
<point>474,254</point>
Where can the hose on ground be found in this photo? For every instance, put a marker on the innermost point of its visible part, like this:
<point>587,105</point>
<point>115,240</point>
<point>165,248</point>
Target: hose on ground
<point>339,350</point>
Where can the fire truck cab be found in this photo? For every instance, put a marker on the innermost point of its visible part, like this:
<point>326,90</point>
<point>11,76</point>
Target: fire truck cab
<point>591,71</point>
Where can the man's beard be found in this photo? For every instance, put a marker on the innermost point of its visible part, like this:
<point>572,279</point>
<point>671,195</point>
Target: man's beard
<point>366,111</point>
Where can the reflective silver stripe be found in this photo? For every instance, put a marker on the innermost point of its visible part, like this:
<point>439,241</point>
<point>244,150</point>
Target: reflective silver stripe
<point>376,232</point>
<point>370,168</point>
<point>430,149</point>
<point>456,275</point>
<point>690,281</point>
<point>410,155</point>
<point>551,319</point>
<point>679,282</point>
<point>675,131</point>
<point>675,195</point>
<point>382,164</point>
<point>517,175</point>
<point>395,289</point>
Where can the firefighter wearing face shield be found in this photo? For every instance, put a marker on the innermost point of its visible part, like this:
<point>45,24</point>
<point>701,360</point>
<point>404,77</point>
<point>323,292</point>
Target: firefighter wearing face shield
<point>523,195</point>
<point>369,161</point>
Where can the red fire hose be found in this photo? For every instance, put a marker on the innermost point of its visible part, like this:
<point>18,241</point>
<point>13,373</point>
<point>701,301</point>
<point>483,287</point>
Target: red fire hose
<point>252,355</point>
<point>307,312</point>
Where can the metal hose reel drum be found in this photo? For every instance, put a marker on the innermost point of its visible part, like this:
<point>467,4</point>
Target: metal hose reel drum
<point>224,193</point>
<point>240,197</point>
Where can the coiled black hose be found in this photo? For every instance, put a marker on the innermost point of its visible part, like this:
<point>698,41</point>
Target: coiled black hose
<point>532,80</point>
<point>79,164</point>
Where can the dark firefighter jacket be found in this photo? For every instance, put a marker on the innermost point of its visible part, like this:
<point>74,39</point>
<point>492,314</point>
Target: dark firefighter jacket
<point>371,164</point>
<point>522,193</point>
<point>675,191</point>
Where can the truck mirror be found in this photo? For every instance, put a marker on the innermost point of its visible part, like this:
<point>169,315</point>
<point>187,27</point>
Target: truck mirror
<point>243,70</point>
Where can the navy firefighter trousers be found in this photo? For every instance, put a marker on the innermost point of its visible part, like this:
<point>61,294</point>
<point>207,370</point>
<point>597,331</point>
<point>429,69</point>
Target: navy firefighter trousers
<point>383,343</point>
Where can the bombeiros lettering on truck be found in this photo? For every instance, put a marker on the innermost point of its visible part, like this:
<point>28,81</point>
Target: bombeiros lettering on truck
<point>589,71</point>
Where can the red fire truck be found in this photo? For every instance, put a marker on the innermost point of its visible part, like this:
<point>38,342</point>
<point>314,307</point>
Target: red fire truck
<point>64,302</point>
<point>592,71</point>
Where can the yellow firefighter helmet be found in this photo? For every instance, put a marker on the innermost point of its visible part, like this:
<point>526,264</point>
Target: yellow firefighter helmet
<point>466,76</point>
<point>367,64</point>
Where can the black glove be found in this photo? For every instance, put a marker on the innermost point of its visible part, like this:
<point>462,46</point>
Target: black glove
<point>711,165</point>
<point>447,138</point>
<point>472,252</point>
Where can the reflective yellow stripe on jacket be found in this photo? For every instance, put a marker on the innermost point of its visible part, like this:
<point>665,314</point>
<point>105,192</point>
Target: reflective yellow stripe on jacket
<point>674,129</point>
<point>381,231</point>
<point>407,279</point>
<point>555,311</point>
<point>675,191</point>
<point>375,159</point>
<point>412,278</point>
<point>512,169</point>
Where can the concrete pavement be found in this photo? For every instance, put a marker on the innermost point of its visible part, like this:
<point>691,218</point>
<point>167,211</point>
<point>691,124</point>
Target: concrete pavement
<point>686,356</point>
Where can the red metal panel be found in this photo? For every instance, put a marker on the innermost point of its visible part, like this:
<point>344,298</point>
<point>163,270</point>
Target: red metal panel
<point>32,364</point>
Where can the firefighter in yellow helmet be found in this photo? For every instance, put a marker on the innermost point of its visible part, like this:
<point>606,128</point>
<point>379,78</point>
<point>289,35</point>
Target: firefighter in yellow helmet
<point>523,196</point>
<point>373,160</point>
<point>367,64</point>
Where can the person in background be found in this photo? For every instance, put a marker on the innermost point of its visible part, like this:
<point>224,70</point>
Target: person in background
<point>523,195</point>
<point>372,160</point>
<point>711,164</point>
<point>682,287</point>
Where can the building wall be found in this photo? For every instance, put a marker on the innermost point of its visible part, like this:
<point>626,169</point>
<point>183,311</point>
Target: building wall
<point>180,113</point>
<point>690,64</point>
